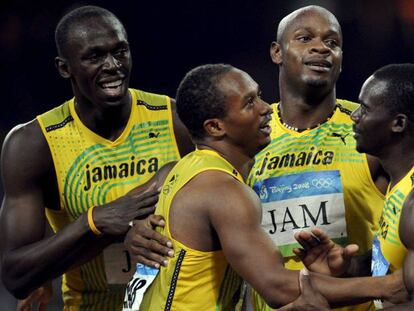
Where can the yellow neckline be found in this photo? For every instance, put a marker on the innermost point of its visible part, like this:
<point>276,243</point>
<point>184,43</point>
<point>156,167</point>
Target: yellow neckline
<point>99,139</point>
<point>217,155</point>
<point>296,133</point>
<point>391,190</point>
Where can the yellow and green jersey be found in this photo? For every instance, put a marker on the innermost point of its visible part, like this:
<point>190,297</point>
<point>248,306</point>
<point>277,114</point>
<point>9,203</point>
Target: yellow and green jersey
<point>193,279</point>
<point>388,252</point>
<point>91,171</point>
<point>315,178</point>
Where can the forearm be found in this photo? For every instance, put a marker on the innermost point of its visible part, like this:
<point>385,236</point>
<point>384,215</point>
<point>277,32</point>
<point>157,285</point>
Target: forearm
<point>28,267</point>
<point>349,291</point>
<point>283,288</point>
<point>409,306</point>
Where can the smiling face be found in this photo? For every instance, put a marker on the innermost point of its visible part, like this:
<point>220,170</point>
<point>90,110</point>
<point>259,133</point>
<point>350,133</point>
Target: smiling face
<point>309,48</point>
<point>98,61</point>
<point>372,121</point>
<point>246,123</point>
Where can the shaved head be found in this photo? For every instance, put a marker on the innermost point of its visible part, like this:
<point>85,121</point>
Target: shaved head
<point>290,19</point>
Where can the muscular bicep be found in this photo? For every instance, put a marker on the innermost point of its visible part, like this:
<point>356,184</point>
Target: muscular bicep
<point>248,248</point>
<point>23,166</point>
<point>406,231</point>
<point>182,136</point>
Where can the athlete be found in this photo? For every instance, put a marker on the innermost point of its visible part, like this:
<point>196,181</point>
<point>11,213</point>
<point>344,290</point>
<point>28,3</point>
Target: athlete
<point>213,217</point>
<point>311,173</point>
<point>78,165</point>
<point>384,127</point>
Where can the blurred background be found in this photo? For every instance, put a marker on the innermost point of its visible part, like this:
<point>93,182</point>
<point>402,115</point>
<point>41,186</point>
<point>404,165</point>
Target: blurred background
<point>168,38</point>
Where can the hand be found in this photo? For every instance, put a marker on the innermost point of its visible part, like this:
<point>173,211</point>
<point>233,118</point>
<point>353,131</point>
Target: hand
<point>320,254</point>
<point>310,299</point>
<point>113,218</point>
<point>40,297</point>
<point>146,245</point>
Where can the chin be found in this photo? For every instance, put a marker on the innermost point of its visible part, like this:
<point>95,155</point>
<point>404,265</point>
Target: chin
<point>360,148</point>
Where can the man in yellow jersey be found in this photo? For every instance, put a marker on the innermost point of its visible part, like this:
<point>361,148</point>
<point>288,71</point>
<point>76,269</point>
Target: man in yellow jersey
<point>214,219</point>
<point>311,173</point>
<point>77,165</point>
<point>384,127</point>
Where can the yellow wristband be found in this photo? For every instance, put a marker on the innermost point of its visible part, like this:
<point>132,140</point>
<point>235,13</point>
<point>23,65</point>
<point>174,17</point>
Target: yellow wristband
<point>91,223</point>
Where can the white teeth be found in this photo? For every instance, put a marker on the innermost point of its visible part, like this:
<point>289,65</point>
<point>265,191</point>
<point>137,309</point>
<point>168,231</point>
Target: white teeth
<point>112,84</point>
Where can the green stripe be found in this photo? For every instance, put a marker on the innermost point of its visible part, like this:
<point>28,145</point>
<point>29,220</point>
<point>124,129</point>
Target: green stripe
<point>286,250</point>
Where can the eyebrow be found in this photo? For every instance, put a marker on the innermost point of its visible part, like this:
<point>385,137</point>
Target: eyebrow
<point>308,29</point>
<point>257,92</point>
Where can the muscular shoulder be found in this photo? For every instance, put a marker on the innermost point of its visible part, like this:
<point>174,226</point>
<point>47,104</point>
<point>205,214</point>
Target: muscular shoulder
<point>25,152</point>
<point>406,229</point>
<point>224,195</point>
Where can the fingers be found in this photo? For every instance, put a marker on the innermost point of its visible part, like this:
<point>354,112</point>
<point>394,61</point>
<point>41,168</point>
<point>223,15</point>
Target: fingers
<point>149,192</point>
<point>146,199</point>
<point>148,258</point>
<point>350,250</point>
<point>321,236</point>
<point>150,252</point>
<point>300,252</point>
<point>148,246</point>
<point>156,221</point>
<point>307,240</point>
<point>143,212</point>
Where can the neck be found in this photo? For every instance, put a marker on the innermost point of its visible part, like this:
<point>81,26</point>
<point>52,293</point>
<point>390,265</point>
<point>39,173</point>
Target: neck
<point>107,122</point>
<point>305,109</point>
<point>398,162</point>
<point>236,157</point>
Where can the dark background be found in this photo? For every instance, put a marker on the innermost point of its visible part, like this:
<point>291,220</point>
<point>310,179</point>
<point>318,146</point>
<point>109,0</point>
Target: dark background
<point>168,38</point>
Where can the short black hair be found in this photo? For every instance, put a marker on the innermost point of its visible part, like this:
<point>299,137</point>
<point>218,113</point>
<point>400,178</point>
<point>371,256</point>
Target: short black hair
<point>75,17</point>
<point>199,98</point>
<point>398,96</point>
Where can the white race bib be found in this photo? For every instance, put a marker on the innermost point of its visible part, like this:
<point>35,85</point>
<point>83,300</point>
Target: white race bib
<point>302,201</point>
<point>142,279</point>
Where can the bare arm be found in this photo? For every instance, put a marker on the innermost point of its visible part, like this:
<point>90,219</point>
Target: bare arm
<point>184,142</point>
<point>28,258</point>
<point>406,231</point>
<point>235,215</point>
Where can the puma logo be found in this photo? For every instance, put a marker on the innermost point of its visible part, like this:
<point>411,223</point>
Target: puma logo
<point>153,135</point>
<point>342,137</point>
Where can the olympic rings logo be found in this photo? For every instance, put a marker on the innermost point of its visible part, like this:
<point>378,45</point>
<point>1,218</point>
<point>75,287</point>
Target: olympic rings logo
<point>322,182</point>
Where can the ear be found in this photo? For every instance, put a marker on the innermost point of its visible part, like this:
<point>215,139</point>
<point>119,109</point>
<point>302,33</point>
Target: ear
<point>63,67</point>
<point>214,127</point>
<point>399,123</point>
<point>276,53</point>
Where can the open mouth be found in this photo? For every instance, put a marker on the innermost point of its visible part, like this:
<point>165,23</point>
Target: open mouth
<point>319,65</point>
<point>265,128</point>
<point>112,88</point>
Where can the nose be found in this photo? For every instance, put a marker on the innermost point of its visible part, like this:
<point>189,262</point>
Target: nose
<point>318,46</point>
<point>111,63</point>
<point>356,114</point>
<point>266,108</point>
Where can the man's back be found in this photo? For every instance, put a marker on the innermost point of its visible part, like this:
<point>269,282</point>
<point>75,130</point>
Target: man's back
<point>196,278</point>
